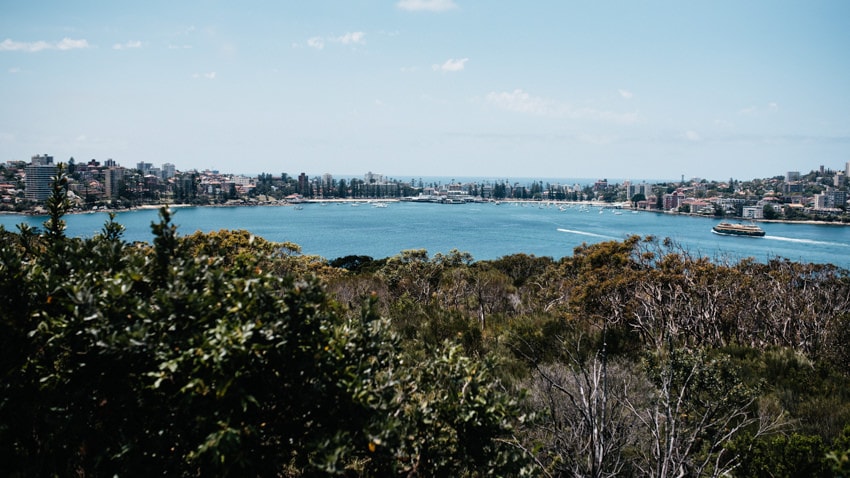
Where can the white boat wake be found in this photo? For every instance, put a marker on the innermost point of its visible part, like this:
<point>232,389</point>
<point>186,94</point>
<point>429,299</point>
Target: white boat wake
<point>805,241</point>
<point>583,233</point>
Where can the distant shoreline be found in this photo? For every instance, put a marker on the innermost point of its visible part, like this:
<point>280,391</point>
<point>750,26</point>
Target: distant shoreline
<point>597,204</point>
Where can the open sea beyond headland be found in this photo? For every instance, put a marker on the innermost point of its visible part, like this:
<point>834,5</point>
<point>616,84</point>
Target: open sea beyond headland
<point>485,230</point>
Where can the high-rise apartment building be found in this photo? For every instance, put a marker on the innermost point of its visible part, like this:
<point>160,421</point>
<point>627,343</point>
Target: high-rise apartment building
<point>41,160</point>
<point>145,168</point>
<point>39,180</point>
<point>168,171</point>
<point>112,178</point>
<point>642,188</point>
<point>303,184</point>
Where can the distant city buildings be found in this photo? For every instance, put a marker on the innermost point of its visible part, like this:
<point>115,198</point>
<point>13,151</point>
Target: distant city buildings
<point>820,193</point>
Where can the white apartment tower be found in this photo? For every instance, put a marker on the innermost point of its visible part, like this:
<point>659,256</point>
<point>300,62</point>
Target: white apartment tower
<point>39,179</point>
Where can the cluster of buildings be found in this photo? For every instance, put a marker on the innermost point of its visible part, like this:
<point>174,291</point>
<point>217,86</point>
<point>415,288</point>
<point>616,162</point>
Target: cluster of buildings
<point>24,187</point>
<point>94,184</point>
<point>818,194</point>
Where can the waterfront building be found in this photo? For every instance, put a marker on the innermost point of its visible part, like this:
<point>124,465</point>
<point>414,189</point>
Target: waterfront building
<point>673,200</point>
<point>699,206</point>
<point>819,201</point>
<point>729,205</point>
<point>836,199</point>
<point>752,212</point>
<point>829,200</point>
<point>39,177</point>
<point>112,178</point>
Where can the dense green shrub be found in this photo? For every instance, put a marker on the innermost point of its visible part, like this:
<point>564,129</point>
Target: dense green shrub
<point>177,359</point>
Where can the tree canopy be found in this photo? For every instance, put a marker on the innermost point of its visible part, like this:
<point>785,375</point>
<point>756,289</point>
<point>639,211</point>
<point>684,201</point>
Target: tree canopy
<point>225,354</point>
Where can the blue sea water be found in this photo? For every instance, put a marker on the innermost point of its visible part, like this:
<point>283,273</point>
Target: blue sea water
<point>487,231</point>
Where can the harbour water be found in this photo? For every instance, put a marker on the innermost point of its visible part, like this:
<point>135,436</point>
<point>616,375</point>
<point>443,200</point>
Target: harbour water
<point>485,230</point>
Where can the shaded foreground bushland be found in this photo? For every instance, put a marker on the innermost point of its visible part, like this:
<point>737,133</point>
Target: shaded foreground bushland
<point>225,354</point>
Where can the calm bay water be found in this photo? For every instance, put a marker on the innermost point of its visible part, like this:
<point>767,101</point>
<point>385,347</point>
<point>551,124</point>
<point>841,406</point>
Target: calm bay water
<point>487,231</point>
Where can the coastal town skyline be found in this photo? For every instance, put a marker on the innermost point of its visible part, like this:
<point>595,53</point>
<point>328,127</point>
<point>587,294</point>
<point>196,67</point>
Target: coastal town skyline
<point>167,169</point>
<point>555,89</point>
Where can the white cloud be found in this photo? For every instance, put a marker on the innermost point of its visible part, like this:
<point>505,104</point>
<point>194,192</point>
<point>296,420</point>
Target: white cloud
<point>521,102</point>
<point>773,107</point>
<point>626,94</point>
<point>14,70</point>
<point>452,65</point>
<point>349,38</point>
<point>426,5</point>
<point>128,45</point>
<point>210,75</point>
<point>70,44</point>
<point>9,45</point>
<point>65,44</point>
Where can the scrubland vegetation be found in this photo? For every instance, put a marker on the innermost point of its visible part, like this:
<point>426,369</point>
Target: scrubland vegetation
<point>224,354</point>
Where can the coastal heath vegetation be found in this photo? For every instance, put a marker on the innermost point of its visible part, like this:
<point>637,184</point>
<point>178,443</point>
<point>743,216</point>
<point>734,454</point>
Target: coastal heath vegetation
<point>225,354</point>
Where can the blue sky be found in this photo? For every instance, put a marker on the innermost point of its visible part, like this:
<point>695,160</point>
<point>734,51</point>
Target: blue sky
<point>550,88</point>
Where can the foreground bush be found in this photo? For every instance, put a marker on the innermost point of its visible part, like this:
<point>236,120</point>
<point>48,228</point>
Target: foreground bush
<point>175,360</point>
